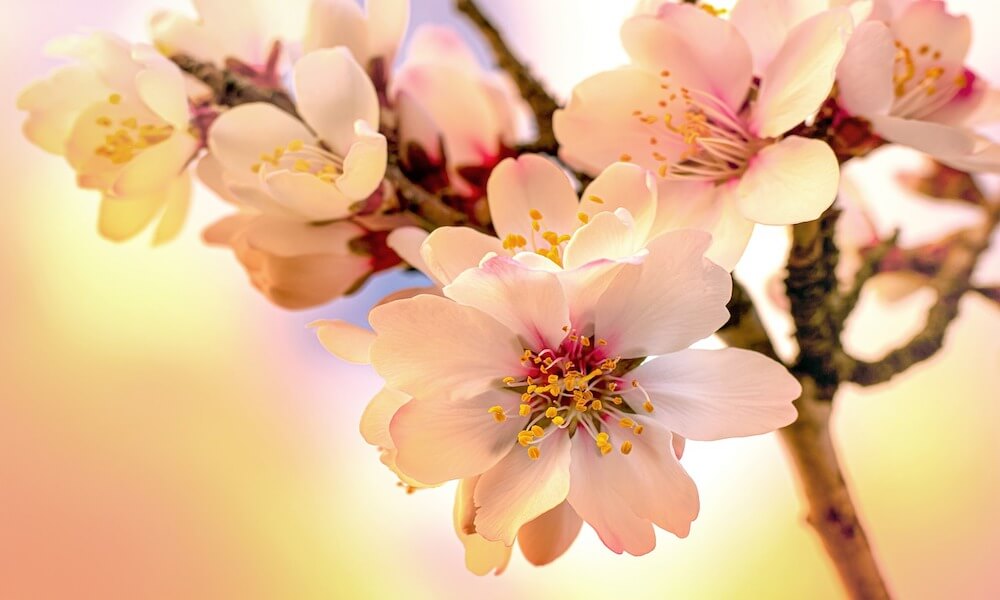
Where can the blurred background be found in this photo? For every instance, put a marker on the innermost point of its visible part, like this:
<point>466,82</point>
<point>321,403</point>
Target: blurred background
<point>166,433</point>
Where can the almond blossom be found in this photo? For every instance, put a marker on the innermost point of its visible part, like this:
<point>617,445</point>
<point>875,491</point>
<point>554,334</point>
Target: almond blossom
<point>454,111</point>
<point>120,117</point>
<point>320,168</point>
<point>683,110</point>
<point>373,34</point>
<point>904,72</point>
<point>544,392</point>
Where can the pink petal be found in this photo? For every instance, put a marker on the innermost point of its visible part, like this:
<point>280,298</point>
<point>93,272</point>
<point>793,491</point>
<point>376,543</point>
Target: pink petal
<point>549,536</point>
<point>440,438</point>
<point>865,73</point>
<point>530,303</point>
<point>928,22</point>
<point>519,489</point>
<point>531,183</point>
<point>673,299</point>
<point>449,251</point>
<point>765,24</point>
<point>700,51</point>
<point>935,139</point>
<point>715,394</point>
<point>431,347</point>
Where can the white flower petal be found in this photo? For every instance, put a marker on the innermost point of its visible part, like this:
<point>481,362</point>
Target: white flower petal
<point>481,555</point>
<point>715,394</point>
<point>623,185</point>
<point>765,24</point>
<point>307,196</point>
<point>332,93</point>
<point>935,139</point>
<point>365,163</point>
<point>792,181</point>
<point>333,23</point>
<point>800,77</point>
<point>449,251</point>
<point>864,77</point>
<point>241,134</point>
<point>550,535</point>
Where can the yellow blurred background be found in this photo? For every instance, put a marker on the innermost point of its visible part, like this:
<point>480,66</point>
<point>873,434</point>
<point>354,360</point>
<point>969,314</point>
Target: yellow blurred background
<point>166,433</point>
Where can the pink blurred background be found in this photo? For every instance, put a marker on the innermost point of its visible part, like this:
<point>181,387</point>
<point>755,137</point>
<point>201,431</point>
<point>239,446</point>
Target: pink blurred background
<point>166,433</point>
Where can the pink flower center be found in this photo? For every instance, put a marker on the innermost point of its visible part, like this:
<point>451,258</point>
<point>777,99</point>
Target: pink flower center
<point>575,387</point>
<point>695,136</point>
<point>922,83</point>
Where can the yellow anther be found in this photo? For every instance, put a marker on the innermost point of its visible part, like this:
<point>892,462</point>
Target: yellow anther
<point>536,226</point>
<point>596,405</point>
<point>557,420</point>
<point>115,98</point>
<point>553,378</point>
<point>638,429</point>
<point>551,237</point>
<point>626,447</point>
<point>509,380</point>
<point>551,412</point>
<point>664,73</point>
<point>603,437</point>
<point>627,423</point>
<point>612,386</point>
<point>255,167</point>
<point>584,217</point>
<point>534,453</point>
<point>647,406</point>
<point>525,397</point>
<point>525,438</point>
<point>535,215</point>
<point>662,171</point>
<point>295,145</point>
<point>595,199</point>
<point>104,121</point>
<point>498,413</point>
<point>581,407</point>
<point>605,448</point>
<point>625,157</point>
<point>514,241</point>
<point>635,383</point>
<point>537,431</point>
<point>301,166</point>
<point>617,400</point>
<point>524,410</point>
<point>585,341</point>
<point>130,123</point>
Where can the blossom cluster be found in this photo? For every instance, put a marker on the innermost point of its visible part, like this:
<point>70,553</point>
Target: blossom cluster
<point>548,366</point>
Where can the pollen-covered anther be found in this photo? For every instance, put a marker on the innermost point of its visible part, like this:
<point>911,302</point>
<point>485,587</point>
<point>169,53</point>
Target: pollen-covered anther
<point>626,447</point>
<point>524,410</point>
<point>534,453</point>
<point>499,415</point>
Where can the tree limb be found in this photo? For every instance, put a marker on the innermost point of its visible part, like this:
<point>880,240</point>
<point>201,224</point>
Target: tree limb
<point>951,282</point>
<point>869,268</point>
<point>230,88</point>
<point>542,104</point>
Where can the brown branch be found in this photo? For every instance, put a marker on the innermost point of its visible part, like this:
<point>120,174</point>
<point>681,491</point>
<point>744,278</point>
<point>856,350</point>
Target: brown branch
<point>870,266</point>
<point>744,328</point>
<point>542,104</point>
<point>230,88</point>
<point>951,282</point>
<point>811,286</point>
<point>830,509</point>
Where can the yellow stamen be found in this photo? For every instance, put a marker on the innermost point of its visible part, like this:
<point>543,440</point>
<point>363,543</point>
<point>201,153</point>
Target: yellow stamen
<point>534,453</point>
<point>524,410</point>
<point>557,421</point>
<point>551,412</point>
<point>537,431</point>
<point>626,447</point>
<point>498,413</point>
<point>115,98</point>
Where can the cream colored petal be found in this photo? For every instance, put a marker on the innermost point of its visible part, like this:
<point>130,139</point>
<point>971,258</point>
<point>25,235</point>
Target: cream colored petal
<point>334,23</point>
<point>364,166</point>
<point>347,342</point>
<point>387,23</point>
<point>333,93</point>
<point>623,185</point>
<point>481,555</point>
<point>802,74</point>
<point>54,103</point>
<point>864,76</point>
<point>156,166</point>
<point>175,211</point>
<point>161,87</point>
<point>549,536</point>
<point>240,135</point>
<point>765,24</point>
<point>406,242</point>
<point>608,236</point>
<point>792,181</point>
<point>308,196</point>
<point>123,218</point>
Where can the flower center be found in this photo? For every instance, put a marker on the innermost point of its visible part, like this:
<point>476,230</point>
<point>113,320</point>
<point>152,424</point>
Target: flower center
<point>131,137</point>
<point>543,241</point>
<point>696,137</point>
<point>575,387</point>
<point>922,84</point>
<point>299,157</point>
